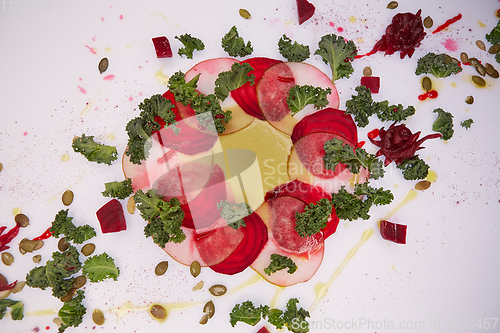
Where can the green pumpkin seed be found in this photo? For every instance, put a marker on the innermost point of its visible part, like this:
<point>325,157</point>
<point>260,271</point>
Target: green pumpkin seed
<point>67,197</point>
<point>69,295</point>
<point>37,259</point>
<point>7,258</point>
<point>195,268</point>
<point>22,220</point>
<point>481,70</point>
<point>98,317</point>
<point>494,74</point>
<point>88,249</point>
<point>103,65</point>
<point>392,5</point>
<point>204,320</point>
<point>245,14</point>
<point>469,100</point>
<point>426,84</point>
<point>428,22</point>
<point>18,287</point>
<point>158,312</point>
<point>473,62</point>
<point>367,71</point>
<point>455,61</point>
<point>27,245</point>
<point>209,309</point>
<point>198,286</point>
<point>57,321</point>
<point>217,290</point>
<point>480,44</point>
<point>62,245</point>
<point>79,282</point>
<point>447,59</point>
<point>39,245</point>
<point>161,268</point>
<point>494,49</point>
<point>422,185</point>
<point>464,58</point>
<point>489,68</point>
<point>478,81</point>
<point>1,167</point>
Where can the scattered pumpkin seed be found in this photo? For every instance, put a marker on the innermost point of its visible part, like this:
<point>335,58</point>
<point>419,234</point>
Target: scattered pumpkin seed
<point>455,61</point>
<point>195,268</point>
<point>367,71</point>
<point>447,59</point>
<point>498,13</point>
<point>103,65</point>
<point>4,294</point>
<point>422,185</point>
<point>62,245</point>
<point>158,312</point>
<point>7,258</point>
<point>473,62</point>
<point>21,250</point>
<point>161,268</point>
<point>27,245</point>
<point>245,14</point>
<point>39,245</point>
<point>426,83</point>
<point>392,5</point>
<point>18,287</point>
<point>69,295</point>
<point>464,58</point>
<point>57,321</point>
<point>481,70</point>
<point>131,205</point>
<point>494,74</point>
<point>494,49</point>
<point>217,290</point>
<point>198,286</point>
<point>98,317</point>
<point>469,100</point>
<point>67,197</point>
<point>22,220</point>
<point>489,68</point>
<point>428,22</point>
<point>204,320</point>
<point>88,249</point>
<point>1,167</point>
<point>478,81</point>
<point>37,258</point>
<point>480,44</point>
<point>209,309</point>
<point>79,282</point>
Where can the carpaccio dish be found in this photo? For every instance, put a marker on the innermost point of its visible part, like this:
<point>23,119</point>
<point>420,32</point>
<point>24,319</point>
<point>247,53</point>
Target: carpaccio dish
<point>189,171</point>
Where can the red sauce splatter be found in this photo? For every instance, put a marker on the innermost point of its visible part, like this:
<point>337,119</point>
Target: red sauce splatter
<point>46,235</point>
<point>331,24</point>
<point>47,328</point>
<point>82,90</point>
<point>109,77</point>
<point>25,133</point>
<point>102,19</point>
<point>340,29</point>
<point>91,49</point>
<point>360,144</point>
<point>121,17</point>
<point>450,44</point>
<point>373,134</point>
<point>131,98</point>
<point>447,23</point>
<point>430,94</point>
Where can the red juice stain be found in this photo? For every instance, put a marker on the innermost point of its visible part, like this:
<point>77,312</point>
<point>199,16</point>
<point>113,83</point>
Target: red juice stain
<point>109,77</point>
<point>373,134</point>
<point>91,49</point>
<point>82,90</point>
<point>331,24</point>
<point>131,98</point>
<point>102,19</point>
<point>25,133</point>
<point>450,44</point>
<point>47,328</point>
<point>360,144</point>
<point>448,23</point>
<point>430,94</point>
<point>121,17</point>
<point>340,29</point>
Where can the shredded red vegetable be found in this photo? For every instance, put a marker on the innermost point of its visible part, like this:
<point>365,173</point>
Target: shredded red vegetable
<point>6,238</point>
<point>447,23</point>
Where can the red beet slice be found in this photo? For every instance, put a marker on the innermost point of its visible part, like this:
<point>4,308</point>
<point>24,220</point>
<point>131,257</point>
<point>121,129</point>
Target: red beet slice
<point>254,240</point>
<point>162,47</point>
<point>305,10</point>
<point>329,121</point>
<point>393,232</point>
<point>246,95</point>
<point>111,217</point>
<point>372,83</point>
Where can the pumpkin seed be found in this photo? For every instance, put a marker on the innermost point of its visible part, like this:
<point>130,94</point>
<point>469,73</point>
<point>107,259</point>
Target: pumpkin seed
<point>494,74</point>
<point>498,13</point>
<point>245,14</point>
<point>447,59</point>
<point>473,62</point>
<point>158,312</point>
<point>57,321</point>
<point>131,205</point>
<point>67,197</point>
<point>18,287</point>
<point>469,100</point>
<point>69,295</point>
<point>195,268</point>
<point>103,65</point>
<point>478,81</point>
<point>481,70</point>
<point>79,282</point>
<point>422,185</point>
<point>7,258</point>
<point>426,83</point>
<point>62,245</point>
<point>489,68</point>
<point>88,249</point>
<point>217,290</point>
<point>161,268</point>
<point>21,250</point>
<point>27,245</point>
<point>1,167</point>
<point>455,61</point>
<point>98,317</point>
<point>37,259</point>
<point>464,58</point>
<point>367,71</point>
<point>494,49</point>
<point>39,245</point>
<point>4,294</point>
<point>198,286</point>
<point>480,44</point>
<point>428,22</point>
<point>209,309</point>
<point>392,5</point>
<point>204,320</point>
<point>22,220</point>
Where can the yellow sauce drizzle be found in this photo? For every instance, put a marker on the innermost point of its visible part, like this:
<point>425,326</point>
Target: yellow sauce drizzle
<point>128,307</point>
<point>65,158</point>
<point>274,300</point>
<point>412,194</point>
<point>248,283</point>
<point>320,289</point>
<point>42,312</point>
<point>16,211</point>
<point>431,176</point>
<point>161,77</point>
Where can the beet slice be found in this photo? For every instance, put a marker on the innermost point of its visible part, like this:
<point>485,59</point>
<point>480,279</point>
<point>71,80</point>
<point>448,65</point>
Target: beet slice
<point>186,251</point>
<point>372,83</point>
<point>305,10</point>
<point>393,232</point>
<point>111,217</point>
<point>162,47</point>
<point>328,120</point>
<point>255,238</point>
<point>246,95</point>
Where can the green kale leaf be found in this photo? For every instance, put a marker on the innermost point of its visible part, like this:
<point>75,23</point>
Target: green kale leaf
<point>233,79</point>
<point>494,36</point>
<point>361,106</point>
<point>279,262</point>
<point>314,218</point>
<point>190,44</point>
<point>293,52</point>
<point>184,92</point>
<point>439,65</point>
<point>120,190</point>
<point>72,312</point>
<point>100,267</point>
<point>234,213</point>
<point>467,123</point>
<point>338,53</point>
<point>414,168</point>
<point>294,318</point>
<point>443,124</point>
<point>63,225</point>
<point>16,308</point>
<point>300,96</point>
<point>93,151</point>
<point>386,112</point>
<point>247,312</point>
<point>352,206</point>
<point>234,45</point>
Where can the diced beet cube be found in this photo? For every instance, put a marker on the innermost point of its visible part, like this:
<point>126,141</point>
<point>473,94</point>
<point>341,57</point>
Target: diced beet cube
<point>263,330</point>
<point>111,217</point>
<point>393,232</point>
<point>162,47</point>
<point>305,10</point>
<point>371,82</point>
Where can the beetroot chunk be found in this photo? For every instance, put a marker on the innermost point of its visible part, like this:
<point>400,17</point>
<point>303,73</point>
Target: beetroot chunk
<point>393,232</point>
<point>372,83</point>
<point>305,10</point>
<point>162,47</point>
<point>111,217</point>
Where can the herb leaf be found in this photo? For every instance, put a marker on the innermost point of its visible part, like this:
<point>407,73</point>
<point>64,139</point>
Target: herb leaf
<point>234,45</point>
<point>72,312</point>
<point>314,218</point>
<point>100,267</point>
<point>300,96</point>
<point>338,53</point>
<point>279,262</point>
<point>443,124</point>
<point>234,213</point>
<point>414,168</point>
<point>293,52</point>
<point>93,151</point>
<point>16,308</point>
<point>233,79</point>
<point>247,313</point>
<point>437,65</point>
<point>494,36</point>
<point>466,123</point>
<point>120,190</point>
<point>352,207</point>
<point>190,44</point>
<point>63,225</point>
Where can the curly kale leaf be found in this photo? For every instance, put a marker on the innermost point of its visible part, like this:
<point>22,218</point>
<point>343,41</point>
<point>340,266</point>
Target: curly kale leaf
<point>93,151</point>
<point>120,190</point>
<point>246,312</point>
<point>443,124</point>
<point>494,35</point>
<point>439,65</point>
<point>293,51</point>
<point>294,318</point>
<point>100,267</point>
<point>361,106</point>
<point>234,213</point>
<point>352,206</point>
<point>184,92</point>
<point>233,79</point>
<point>314,218</point>
<point>16,308</point>
<point>234,45</point>
<point>386,112</point>
<point>414,168</point>
<point>467,123</point>
<point>72,312</point>
<point>279,262</point>
<point>190,44</point>
<point>338,53</point>
<point>300,96</point>
<point>63,225</point>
